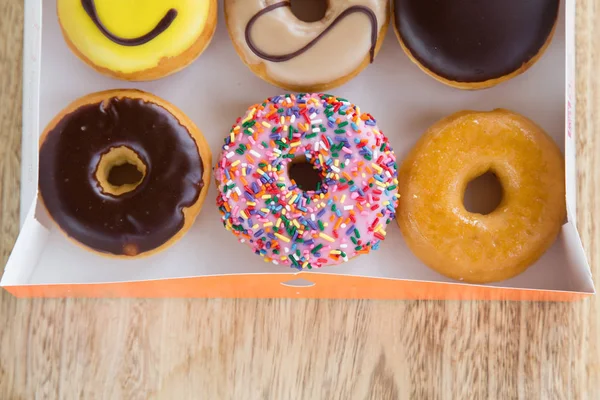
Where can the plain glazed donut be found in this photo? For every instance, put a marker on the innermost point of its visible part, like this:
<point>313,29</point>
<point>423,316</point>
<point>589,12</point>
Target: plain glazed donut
<point>432,181</point>
<point>307,56</point>
<point>81,146</point>
<point>474,44</point>
<point>134,41</point>
<point>307,180</point>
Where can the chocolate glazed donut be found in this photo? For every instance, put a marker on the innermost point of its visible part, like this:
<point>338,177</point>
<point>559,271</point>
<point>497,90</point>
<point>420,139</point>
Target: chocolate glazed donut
<point>82,145</point>
<point>474,44</point>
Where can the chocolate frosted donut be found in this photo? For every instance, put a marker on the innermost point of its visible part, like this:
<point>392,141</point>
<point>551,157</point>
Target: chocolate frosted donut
<point>82,146</point>
<point>473,44</point>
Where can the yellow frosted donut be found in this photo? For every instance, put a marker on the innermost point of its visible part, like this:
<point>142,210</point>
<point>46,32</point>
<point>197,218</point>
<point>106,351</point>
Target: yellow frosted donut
<point>137,40</point>
<point>473,247</point>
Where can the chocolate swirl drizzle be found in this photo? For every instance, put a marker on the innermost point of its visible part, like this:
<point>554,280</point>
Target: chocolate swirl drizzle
<point>90,8</point>
<point>285,57</point>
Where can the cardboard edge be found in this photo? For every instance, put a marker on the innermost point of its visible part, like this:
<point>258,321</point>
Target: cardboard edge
<point>318,284</point>
<point>299,284</point>
<point>323,286</point>
<point>32,42</point>
<point>570,114</point>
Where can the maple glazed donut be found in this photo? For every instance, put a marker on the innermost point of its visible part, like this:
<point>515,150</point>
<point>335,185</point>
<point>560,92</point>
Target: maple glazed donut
<point>307,56</point>
<point>85,145</point>
<point>134,40</point>
<point>470,246</point>
<point>307,181</point>
<point>475,44</point>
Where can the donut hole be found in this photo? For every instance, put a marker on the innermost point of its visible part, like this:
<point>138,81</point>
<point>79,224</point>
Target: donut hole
<point>125,174</point>
<point>119,171</point>
<point>483,194</point>
<point>309,10</point>
<point>303,173</point>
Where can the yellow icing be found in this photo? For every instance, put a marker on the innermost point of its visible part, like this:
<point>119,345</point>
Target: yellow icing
<point>130,19</point>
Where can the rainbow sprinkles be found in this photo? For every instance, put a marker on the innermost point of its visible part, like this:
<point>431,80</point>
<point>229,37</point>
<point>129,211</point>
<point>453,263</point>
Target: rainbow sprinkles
<point>344,216</point>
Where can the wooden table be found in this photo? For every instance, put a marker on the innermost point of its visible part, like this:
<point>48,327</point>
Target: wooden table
<point>295,349</point>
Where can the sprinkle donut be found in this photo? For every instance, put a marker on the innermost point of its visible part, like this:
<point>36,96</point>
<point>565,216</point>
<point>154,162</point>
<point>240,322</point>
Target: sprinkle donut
<point>307,180</point>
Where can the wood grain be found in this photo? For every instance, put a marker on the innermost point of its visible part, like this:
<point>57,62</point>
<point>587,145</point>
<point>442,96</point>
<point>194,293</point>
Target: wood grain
<point>284,349</point>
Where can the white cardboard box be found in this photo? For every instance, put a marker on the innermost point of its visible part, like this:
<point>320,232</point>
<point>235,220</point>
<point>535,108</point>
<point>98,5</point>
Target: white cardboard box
<point>213,92</point>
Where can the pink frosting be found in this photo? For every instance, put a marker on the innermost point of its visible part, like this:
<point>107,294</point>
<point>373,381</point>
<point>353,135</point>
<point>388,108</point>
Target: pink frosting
<point>344,217</point>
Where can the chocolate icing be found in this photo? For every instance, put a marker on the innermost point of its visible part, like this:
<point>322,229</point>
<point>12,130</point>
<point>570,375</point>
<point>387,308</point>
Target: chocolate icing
<point>285,57</point>
<point>90,8</point>
<point>474,40</point>
<point>142,219</point>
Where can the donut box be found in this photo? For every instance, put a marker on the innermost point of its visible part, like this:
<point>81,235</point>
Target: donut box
<point>215,90</point>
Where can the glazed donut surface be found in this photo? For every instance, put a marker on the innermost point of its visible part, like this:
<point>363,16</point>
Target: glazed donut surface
<point>469,246</point>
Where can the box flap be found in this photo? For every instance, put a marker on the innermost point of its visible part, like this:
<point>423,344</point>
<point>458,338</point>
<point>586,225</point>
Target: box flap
<point>32,43</point>
<point>26,253</point>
